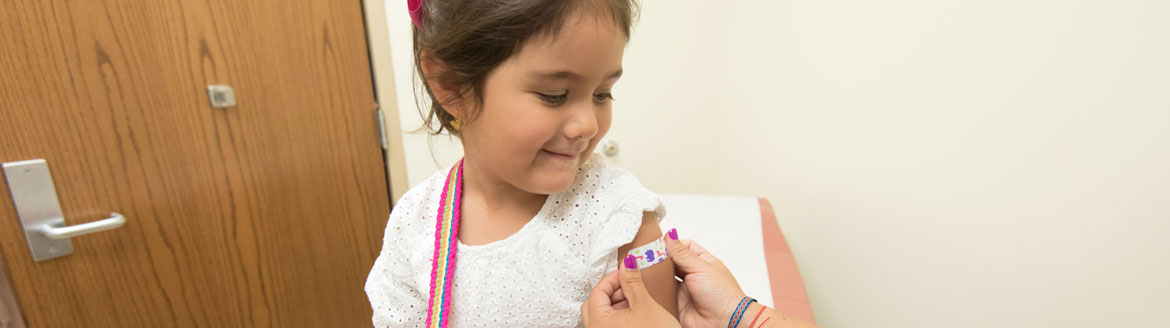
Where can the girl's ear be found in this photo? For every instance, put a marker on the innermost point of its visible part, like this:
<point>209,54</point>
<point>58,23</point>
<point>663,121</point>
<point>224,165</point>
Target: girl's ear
<point>449,96</point>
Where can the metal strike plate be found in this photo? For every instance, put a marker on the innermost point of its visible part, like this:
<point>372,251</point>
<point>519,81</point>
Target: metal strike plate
<point>36,202</point>
<point>221,96</point>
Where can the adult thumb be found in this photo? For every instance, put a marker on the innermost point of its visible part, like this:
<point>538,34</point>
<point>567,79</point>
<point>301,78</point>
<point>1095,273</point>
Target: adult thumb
<point>633,287</point>
<point>685,260</point>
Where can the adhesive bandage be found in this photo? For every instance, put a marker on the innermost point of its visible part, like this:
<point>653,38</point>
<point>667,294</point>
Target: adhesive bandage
<point>650,254</point>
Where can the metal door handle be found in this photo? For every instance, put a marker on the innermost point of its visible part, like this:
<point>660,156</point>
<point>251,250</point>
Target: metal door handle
<point>35,198</point>
<point>114,221</point>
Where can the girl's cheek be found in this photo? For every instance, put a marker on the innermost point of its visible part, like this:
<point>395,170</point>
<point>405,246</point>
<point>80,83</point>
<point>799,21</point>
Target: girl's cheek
<point>523,136</point>
<point>538,124</point>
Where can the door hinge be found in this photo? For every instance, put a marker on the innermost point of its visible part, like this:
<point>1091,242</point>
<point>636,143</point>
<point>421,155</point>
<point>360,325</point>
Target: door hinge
<point>381,126</point>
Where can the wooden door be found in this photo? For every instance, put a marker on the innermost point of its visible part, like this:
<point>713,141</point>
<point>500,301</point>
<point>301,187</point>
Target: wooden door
<point>266,214</point>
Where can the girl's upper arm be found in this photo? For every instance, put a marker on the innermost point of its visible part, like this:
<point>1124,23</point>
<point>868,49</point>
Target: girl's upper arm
<point>659,278</point>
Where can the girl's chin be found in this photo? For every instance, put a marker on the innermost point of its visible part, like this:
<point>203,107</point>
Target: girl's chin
<point>552,183</point>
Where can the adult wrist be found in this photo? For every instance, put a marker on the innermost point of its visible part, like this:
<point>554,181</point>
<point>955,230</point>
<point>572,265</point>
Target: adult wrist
<point>741,309</point>
<point>727,311</point>
<point>755,312</point>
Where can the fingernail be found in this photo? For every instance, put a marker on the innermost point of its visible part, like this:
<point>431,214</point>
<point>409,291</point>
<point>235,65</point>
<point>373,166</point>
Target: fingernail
<point>673,233</point>
<point>631,263</point>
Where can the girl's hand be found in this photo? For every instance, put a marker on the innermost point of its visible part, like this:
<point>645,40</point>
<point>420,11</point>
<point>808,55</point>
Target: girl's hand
<point>709,293</point>
<point>627,287</point>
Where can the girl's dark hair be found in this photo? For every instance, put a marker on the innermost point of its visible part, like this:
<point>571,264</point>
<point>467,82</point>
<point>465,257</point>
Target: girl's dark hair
<point>469,38</point>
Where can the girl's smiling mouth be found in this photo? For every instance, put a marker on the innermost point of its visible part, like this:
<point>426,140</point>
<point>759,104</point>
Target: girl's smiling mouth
<point>560,156</point>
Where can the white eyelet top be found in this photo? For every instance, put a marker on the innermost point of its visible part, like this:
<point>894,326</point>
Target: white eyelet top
<point>537,277</point>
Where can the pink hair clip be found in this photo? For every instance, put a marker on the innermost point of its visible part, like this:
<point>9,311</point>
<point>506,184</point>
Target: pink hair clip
<point>415,7</point>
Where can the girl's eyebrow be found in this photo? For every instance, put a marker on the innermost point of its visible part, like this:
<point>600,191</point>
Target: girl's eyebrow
<point>567,75</point>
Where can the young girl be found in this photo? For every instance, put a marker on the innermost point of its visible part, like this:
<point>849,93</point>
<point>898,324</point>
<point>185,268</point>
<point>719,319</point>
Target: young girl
<point>519,231</point>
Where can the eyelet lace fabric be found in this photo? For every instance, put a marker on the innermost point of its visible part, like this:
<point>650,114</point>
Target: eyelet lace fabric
<point>537,277</point>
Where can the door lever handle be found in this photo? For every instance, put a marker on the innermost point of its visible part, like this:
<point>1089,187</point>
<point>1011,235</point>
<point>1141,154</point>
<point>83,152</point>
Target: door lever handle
<point>35,198</point>
<point>114,221</point>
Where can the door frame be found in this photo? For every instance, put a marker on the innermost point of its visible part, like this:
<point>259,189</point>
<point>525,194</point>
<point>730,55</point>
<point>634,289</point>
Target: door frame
<point>378,38</point>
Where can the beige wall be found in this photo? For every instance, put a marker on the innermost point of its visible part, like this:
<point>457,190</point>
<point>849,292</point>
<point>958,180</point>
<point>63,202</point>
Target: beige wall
<point>958,163</point>
<point>933,163</point>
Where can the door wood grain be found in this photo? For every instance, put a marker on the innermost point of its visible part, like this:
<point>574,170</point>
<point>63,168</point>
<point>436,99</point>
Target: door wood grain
<point>267,214</point>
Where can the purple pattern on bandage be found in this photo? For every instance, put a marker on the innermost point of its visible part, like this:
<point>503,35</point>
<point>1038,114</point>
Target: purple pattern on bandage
<point>649,254</point>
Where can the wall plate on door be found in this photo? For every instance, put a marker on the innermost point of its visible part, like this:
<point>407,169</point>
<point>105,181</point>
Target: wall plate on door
<point>36,203</point>
<point>221,96</point>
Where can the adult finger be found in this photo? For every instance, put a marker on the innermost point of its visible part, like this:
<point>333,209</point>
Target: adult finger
<point>618,299</point>
<point>585,314</point>
<point>701,252</point>
<point>684,256</point>
<point>633,287</point>
<point>599,297</point>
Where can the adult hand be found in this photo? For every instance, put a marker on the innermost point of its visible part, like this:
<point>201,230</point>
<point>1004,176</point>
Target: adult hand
<point>709,293</point>
<point>634,305</point>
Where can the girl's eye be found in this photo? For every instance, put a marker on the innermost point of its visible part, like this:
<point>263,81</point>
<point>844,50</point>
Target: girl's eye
<point>602,96</point>
<point>552,100</point>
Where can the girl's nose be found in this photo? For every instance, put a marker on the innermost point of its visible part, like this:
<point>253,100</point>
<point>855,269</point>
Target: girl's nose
<point>583,123</point>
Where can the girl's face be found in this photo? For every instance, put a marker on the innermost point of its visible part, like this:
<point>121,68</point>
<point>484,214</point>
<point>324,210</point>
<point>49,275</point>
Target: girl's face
<point>546,107</point>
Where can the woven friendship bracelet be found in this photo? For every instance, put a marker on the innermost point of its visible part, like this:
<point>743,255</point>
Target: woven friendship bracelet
<point>739,311</point>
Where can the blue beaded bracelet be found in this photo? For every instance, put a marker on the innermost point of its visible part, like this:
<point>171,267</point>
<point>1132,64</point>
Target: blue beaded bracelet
<point>739,311</point>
